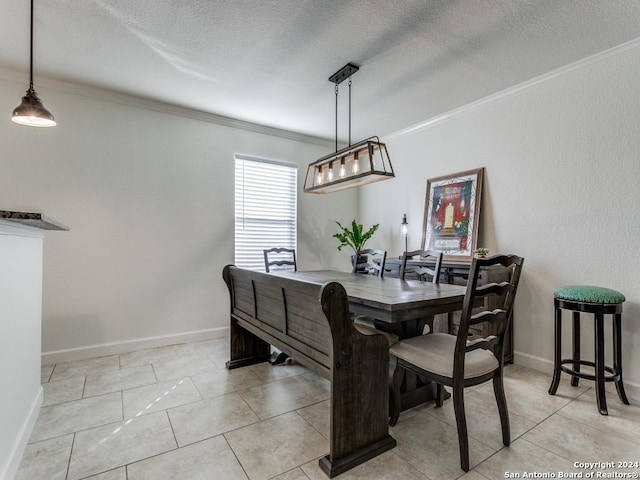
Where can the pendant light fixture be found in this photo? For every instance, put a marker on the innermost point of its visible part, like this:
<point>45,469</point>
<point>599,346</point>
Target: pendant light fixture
<point>358,164</point>
<point>31,111</point>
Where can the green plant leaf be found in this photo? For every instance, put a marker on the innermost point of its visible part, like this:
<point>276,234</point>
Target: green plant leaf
<point>354,237</point>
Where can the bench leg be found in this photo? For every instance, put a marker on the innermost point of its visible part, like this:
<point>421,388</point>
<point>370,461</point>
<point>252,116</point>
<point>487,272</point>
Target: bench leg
<point>246,348</point>
<point>359,404</point>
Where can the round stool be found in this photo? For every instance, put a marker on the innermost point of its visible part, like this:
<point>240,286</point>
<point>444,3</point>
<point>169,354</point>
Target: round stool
<point>599,301</point>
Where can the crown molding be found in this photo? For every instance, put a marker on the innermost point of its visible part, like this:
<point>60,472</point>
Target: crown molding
<point>163,107</point>
<point>614,53</point>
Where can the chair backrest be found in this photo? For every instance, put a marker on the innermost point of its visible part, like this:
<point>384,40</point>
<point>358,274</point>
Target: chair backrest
<point>374,264</point>
<point>279,257</point>
<point>423,271</point>
<point>505,293</point>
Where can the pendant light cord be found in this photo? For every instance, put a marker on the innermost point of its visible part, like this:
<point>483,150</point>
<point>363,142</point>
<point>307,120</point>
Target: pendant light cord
<point>31,53</point>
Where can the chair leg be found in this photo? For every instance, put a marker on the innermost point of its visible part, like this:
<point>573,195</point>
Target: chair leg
<point>617,357</point>
<point>501,400</point>
<point>576,348</point>
<point>599,348</point>
<point>461,423</point>
<point>557,353</point>
<point>439,395</point>
<point>395,377</point>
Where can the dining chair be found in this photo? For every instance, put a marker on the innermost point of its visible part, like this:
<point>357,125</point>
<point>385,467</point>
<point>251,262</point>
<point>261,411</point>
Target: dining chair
<point>279,257</point>
<point>423,271</point>
<point>456,361</point>
<point>374,263</point>
<point>274,257</point>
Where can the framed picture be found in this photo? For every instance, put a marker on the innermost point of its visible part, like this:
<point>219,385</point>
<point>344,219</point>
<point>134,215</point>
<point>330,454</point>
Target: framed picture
<point>451,214</point>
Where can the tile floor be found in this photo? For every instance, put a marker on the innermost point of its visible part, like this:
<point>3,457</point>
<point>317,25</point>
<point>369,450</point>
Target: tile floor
<point>176,413</point>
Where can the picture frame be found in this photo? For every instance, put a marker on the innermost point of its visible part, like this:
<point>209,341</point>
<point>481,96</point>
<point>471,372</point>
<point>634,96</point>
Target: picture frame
<point>452,214</point>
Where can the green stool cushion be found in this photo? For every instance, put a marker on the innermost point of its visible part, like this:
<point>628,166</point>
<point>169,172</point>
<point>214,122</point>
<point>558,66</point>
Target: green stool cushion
<point>588,294</point>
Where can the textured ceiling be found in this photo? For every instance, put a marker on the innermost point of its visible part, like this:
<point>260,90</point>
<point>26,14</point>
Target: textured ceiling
<point>268,61</point>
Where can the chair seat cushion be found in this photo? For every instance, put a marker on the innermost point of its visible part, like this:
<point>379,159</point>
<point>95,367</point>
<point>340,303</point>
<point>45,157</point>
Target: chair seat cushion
<point>588,294</point>
<point>365,326</point>
<point>434,353</point>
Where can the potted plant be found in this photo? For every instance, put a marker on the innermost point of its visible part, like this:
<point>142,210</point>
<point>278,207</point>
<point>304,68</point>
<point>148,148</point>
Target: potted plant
<point>354,237</point>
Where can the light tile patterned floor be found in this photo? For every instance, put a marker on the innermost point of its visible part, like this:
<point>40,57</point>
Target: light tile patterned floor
<point>175,413</point>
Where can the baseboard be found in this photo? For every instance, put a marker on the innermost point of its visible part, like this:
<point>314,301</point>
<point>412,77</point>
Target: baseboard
<point>14,458</point>
<point>115,348</point>
<point>632,389</point>
<point>535,363</point>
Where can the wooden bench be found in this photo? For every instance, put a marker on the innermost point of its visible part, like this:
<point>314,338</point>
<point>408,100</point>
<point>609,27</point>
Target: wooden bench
<point>311,323</point>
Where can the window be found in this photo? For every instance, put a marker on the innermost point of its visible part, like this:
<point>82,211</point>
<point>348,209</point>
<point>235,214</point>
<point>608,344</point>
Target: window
<point>265,209</point>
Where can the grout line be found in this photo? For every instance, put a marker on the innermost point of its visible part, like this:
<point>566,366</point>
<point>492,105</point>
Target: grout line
<point>289,471</point>
<point>154,372</point>
<point>172,429</point>
<point>73,442</point>
<point>423,475</point>
<point>51,374</point>
<point>84,387</point>
<point>224,435</point>
<point>311,424</point>
<point>166,412</point>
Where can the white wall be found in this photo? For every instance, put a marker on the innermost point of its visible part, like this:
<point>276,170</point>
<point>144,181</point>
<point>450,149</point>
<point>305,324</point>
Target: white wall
<point>148,196</point>
<point>562,166</point>
<point>20,311</point>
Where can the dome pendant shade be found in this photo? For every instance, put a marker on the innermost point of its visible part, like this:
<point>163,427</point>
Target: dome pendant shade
<point>31,112</point>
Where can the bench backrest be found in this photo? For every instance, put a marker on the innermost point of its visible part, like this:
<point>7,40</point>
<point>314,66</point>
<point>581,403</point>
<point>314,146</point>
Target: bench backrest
<point>291,313</point>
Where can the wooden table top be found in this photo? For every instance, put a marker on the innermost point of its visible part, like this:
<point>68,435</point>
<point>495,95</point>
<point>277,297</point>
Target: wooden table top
<point>388,299</point>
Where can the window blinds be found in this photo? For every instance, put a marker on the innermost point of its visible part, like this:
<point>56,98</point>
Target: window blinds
<point>265,209</point>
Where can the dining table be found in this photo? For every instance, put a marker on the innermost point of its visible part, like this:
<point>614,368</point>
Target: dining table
<point>399,306</point>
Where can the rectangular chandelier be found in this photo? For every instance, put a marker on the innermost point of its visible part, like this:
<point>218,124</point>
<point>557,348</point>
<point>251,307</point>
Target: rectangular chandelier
<point>364,162</point>
<point>358,164</point>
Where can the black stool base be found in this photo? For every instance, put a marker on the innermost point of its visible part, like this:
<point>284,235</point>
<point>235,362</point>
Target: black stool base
<point>600,377</point>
